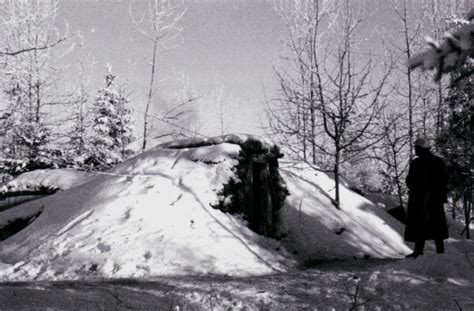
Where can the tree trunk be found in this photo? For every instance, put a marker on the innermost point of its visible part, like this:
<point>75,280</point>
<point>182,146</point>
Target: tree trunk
<point>149,96</point>
<point>467,213</point>
<point>305,147</point>
<point>313,112</point>
<point>395,165</point>
<point>313,131</point>
<point>410,114</point>
<point>81,120</point>
<point>409,78</point>
<point>453,207</point>
<point>439,112</point>
<point>302,111</point>
<point>336,177</point>
<point>471,127</point>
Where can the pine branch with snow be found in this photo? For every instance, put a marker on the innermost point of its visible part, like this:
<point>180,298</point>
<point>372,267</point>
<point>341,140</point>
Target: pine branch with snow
<point>451,53</point>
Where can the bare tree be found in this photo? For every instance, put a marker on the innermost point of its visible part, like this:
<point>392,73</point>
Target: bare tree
<point>219,103</point>
<point>80,114</point>
<point>292,116</point>
<point>221,112</point>
<point>410,15</point>
<point>391,152</point>
<point>161,28</point>
<point>11,15</point>
<point>178,116</point>
<point>332,102</point>
<point>350,101</point>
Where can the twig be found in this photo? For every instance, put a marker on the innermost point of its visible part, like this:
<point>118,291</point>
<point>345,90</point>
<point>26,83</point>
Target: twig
<point>457,304</point>
<point>26,50</point>
<point>355,298</point>
<point>468,260</point>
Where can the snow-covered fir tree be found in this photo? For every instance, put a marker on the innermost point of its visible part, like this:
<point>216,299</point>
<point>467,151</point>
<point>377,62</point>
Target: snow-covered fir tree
<point>78,143</point>
<point>29,84</point>
<point>26,134</point>
<point>111,131</point>
<point>455,142</point>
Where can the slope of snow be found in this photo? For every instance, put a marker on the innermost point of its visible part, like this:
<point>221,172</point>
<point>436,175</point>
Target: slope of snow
<point>149,216</point>
<point>50,179</point>
<point>314,228</point>
<point>152,216</point>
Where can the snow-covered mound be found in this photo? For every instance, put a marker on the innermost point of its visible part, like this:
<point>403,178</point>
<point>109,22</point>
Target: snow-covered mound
<point>314,228</point>
<point>149,216</point>
<point>152,215</point>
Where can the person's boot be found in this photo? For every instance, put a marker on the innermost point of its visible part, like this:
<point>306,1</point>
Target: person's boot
<point>414,255</point>
<point>419,247</point>
<point>439,246</point>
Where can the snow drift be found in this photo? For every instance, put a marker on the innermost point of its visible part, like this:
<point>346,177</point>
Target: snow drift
<point>152,215</point>
<point>314,228</point>
<point>49,179</point>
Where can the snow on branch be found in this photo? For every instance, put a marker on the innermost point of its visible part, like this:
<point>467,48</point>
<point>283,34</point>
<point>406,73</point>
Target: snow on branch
<point>451,53</point>
<point>31,49</point>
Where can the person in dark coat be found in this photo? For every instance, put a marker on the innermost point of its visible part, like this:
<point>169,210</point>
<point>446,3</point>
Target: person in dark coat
<point>427,183</point>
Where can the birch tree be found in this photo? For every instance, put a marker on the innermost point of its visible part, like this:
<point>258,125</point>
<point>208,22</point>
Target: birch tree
<point>11,15</point>
<point>410,16</point>
<point>333,97</point>
<point>292,115</point>
<point>391,153</point>
<point>350,98</point>
<point>161,28</point>
<point>81,109</point>
<point>177,116</point>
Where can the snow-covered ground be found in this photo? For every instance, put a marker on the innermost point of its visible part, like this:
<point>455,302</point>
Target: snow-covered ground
<point>152,216</point>
<point>426,283</point>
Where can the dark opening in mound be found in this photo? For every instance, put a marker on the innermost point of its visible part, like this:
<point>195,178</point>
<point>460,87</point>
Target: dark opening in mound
<point>259,192</point>
<point>17,225</point>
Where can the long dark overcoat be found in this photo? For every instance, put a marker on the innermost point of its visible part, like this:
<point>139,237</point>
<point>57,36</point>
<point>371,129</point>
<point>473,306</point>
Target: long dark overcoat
<point>427,183</point>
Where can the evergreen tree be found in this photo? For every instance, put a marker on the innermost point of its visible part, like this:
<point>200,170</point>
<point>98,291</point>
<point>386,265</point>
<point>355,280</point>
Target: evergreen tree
<point>78,143</point>
<point>26,135</point>
<point>29,84</point>
<point>111,131</point>
<point>81,109</point>
<point>455,141</point>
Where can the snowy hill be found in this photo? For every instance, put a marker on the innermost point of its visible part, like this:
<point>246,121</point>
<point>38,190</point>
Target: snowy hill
<point>152,215</point>
<point>316,229</point>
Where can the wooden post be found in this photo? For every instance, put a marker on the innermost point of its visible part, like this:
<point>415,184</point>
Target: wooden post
<point>261,207</point>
